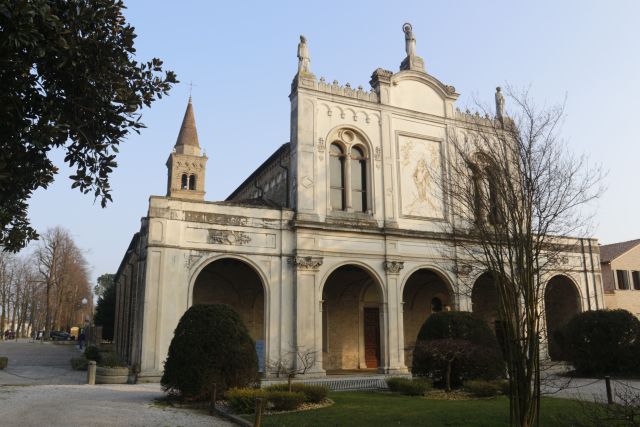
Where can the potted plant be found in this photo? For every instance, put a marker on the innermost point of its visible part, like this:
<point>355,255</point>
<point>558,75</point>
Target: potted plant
<point>111,370</point>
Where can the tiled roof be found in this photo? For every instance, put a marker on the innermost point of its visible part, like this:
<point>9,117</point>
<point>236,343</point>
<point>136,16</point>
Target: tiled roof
<point>614,250</point>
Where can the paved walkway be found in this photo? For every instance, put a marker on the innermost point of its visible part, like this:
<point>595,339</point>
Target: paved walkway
<point>590,389</point>
<point>99,405</point>
<point>33,363</point>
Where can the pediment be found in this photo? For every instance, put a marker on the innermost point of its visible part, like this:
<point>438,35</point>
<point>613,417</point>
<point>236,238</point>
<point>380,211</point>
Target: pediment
<point>418,91</point>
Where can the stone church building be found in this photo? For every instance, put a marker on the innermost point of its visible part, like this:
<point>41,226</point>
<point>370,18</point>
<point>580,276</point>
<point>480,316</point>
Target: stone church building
<point>336,244</point>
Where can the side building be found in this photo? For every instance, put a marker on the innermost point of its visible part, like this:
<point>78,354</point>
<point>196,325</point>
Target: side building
<point>336,244</point>
<point>620,263</point>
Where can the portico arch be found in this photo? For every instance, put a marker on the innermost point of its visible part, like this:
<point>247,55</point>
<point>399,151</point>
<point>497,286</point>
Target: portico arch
<point>236,283</point>
<point>352,320</point>
<point>484,299</point>
<point>561,303</point>
<point>425,292</point>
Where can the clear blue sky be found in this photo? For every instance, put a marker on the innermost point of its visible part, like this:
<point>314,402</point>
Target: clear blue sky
<point>241,57</point>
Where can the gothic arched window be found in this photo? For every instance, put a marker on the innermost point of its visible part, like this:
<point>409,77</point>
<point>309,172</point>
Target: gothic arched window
<point>192,182</point>
<point>184,182</point>
<point>358,180</point>
<point>337,177</point>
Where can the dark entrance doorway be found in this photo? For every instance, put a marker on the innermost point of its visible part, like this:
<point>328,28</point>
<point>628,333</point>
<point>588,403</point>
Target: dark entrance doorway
<point>372,337</point>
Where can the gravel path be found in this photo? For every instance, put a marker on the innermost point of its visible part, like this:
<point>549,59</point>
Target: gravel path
<point>39,363</point>
<point>99,405</point>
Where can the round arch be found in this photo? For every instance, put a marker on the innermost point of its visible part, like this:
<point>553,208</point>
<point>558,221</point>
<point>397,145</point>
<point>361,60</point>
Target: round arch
<point>372,272</point>
<point>352,297</point>
<point>425,290</point>
<point>239,283</point>
<point>562,301</point>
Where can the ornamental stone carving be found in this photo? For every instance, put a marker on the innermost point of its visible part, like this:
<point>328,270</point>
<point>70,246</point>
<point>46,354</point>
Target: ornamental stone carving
<point>228,237</point>
<point>462,270</point>
<point>393,267</point>
<point>306,262</point>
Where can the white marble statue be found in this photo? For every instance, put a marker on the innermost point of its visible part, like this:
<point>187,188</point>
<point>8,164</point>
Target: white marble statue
<point>304,62</point>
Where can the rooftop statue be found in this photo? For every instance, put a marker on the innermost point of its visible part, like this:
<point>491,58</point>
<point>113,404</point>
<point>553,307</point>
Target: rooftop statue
<point>304,62</point>
<point>499,104</point>
<point>410,40</point>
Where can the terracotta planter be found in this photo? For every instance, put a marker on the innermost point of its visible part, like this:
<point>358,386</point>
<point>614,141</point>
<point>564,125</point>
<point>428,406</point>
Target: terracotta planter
<point>106,375</point>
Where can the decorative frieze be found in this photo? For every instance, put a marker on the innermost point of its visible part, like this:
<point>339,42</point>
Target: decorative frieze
<point>306,262</point>
<point>393,267</point>
<point>228,237</point>
<point>213,218</point>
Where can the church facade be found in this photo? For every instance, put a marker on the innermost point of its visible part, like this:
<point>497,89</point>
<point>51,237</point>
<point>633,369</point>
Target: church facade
<point>336,245</point>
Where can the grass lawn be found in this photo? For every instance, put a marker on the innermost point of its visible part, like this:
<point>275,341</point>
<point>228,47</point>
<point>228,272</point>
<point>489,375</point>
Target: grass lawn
<point>386,409</point>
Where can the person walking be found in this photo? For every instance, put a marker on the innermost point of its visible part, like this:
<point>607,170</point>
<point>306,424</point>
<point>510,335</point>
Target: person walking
<point>81,339</point>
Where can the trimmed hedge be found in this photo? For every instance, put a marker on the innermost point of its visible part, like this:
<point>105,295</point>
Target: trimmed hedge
<point>111,360</point>
<point>457,344</point>
<point>243,400</point>
<point>312,393</point>
<point>4,361</point>
<point>458,325</point>
<point>408,386</point>
<point>92,353</point>
<point>285,400</point>
<point>79,363</point>
<point>602,342</point>
<point>210,345</point>
<point>481,388</point>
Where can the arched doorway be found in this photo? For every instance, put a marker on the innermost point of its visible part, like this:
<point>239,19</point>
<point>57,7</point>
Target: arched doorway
<point>351,323</point>
<point>484,300</point>
<point>424,293</point>
<point>235,283</point>
<point>561,303</point>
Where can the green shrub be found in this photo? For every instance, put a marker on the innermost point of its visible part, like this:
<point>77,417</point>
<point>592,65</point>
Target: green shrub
<point>312,393</point>
<point>408,386</point>
<point>458,325</point>
<point>243,400</point>
<point>481,388</point>
<point>79,363</point>
<point>111,360</point>
<point>4,361</point>
<point>602,342</point>
<point>92,353</point>
<point>285,400</point>
<point>454,347</point>
<point>505,387</point>
<point>210,345</point>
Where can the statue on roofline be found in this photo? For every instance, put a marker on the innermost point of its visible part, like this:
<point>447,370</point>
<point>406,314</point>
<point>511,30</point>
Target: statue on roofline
<point>304,62</point>
<point>410,40</point>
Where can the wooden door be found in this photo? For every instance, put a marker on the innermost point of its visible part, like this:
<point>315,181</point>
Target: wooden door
<point>372,337</point>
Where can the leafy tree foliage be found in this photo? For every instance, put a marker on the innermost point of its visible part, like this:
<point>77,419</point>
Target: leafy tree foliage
<point>210,345</point>
<point>453,347</point>
<point>603,342</point>
<point>106,308</point>
<point>104,282</point>
<point>69,81</point>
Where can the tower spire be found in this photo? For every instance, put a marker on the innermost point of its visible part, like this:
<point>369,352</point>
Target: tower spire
<point>187,142</point>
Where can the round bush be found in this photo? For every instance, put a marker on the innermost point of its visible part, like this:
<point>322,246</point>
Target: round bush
<point>453,347</point>
<point>92,353</point>
<point>603,342</point>
<point>210,345</point>
<point>458,325</point>
<point>481,388</point>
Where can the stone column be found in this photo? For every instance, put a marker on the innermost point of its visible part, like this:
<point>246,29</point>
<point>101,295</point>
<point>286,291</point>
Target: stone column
<point>393,325</point>
<point>308,310</point>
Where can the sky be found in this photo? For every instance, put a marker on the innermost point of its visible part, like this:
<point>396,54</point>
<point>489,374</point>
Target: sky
<point>241,57</point>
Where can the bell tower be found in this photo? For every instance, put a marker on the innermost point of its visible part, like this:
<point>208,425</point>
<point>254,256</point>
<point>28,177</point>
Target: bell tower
<point>186,164</point>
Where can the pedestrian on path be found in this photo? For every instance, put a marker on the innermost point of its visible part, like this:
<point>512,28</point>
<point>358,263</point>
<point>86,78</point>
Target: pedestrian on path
<point>81,339</point>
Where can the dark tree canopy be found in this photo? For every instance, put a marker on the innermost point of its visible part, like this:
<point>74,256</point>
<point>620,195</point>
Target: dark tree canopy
<point>68,80</point>
<point>106,308</point>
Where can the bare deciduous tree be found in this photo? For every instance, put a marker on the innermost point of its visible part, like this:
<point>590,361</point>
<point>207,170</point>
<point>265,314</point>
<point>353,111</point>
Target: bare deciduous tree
<point>296,362</point>
<point>516,193</point>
